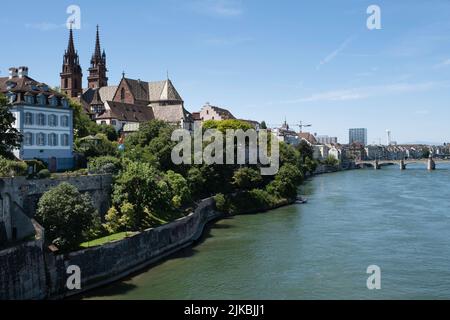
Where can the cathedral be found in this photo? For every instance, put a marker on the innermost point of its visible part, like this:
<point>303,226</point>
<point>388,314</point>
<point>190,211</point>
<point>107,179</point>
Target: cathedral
<point>126,104</point>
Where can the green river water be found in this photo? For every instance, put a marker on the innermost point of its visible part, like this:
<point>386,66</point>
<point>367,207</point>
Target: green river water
<point>397,220</point>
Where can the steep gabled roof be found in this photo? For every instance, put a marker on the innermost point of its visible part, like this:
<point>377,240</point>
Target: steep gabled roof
<point>127,112</point>
<point>171,113</point>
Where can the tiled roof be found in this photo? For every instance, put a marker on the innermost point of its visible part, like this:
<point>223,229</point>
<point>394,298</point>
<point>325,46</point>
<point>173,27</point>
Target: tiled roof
<point>308,137</point>
<point>26,84</point>
<point>106,94</point>
<point>127,112</point>
<point>171,114</point>
<point>153,91</point>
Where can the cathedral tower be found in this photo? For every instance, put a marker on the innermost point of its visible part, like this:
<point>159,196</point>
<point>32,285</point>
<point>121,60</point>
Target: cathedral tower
<point>97,72</point>
<point>71,75</point>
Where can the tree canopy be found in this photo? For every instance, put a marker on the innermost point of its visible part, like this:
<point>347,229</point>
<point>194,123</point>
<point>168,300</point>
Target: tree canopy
<point>10,137</point>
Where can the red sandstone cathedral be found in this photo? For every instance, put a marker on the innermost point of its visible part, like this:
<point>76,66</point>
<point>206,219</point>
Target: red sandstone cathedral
<point>125,105</point>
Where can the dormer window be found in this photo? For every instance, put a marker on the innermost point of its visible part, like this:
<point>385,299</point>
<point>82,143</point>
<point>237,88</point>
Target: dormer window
<point>10,85</point>
<point>65,102</point>
<point>42,99</point>
<point>29,98</point>
<point>11,97</point>
<point>53,101</point>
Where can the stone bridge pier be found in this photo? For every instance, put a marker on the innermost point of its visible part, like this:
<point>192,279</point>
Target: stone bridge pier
<point>402,165</point>
<point>431,165</point>
<point>376,165</point>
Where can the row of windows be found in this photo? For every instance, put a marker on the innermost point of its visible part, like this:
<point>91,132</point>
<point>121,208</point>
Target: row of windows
<point>41,120</point>
<point>41,139</point>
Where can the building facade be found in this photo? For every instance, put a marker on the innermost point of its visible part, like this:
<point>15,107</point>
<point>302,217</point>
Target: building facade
<point>358,135</point>
<point>43,117</point>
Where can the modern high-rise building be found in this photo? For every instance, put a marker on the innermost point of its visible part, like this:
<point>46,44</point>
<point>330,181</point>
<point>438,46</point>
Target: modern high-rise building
<point>357,135</point>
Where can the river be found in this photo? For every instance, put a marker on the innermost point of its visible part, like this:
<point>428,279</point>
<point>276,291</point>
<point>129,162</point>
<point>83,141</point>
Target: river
<point>397,220</point>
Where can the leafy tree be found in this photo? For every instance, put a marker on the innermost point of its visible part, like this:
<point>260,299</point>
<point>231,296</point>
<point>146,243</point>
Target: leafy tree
<point>286,182</point>
<point>10,138</point>
<point>224,125</point>
<point>305,150</point>
<point>263,125</point>
<point>247,178</point>
<point>181,194</point>
<point>109,131</point>
<point>331,161</point>
<point>66,215</point>
<point>82,124</point>
<point>141,185</point>
<point>106,164</point>
<point>97,146</point>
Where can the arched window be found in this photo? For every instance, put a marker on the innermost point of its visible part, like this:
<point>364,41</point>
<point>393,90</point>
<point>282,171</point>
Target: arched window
<point>122,95</point>
<point>65,140</point>
<point>41,119</point>
<point>66,83</point>
<point>28,139</point>
<point>52,120</point>
<point>52,139</point>
<point>64,121</point>
<point>40,139</point>
<point>28,118</point>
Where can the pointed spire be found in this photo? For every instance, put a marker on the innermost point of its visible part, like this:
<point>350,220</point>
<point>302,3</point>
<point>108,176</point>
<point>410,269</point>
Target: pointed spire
<point>98,52</point>
<point>71,46</point>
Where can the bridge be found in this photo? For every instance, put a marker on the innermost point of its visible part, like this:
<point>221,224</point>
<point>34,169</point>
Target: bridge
<point>377,164</point>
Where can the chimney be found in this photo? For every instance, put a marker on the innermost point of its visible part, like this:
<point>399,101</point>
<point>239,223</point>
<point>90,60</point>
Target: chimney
<point>13,73</point>
<point>23,72</point>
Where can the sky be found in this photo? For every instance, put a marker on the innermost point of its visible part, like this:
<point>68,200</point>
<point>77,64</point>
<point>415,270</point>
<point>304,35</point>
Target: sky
<point>310,61</point>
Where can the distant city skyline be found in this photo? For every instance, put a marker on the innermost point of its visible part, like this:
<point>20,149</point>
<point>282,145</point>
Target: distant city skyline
<point>307,61</point>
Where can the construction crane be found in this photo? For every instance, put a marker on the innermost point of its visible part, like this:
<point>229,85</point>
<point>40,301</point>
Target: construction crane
<point>301,126</point>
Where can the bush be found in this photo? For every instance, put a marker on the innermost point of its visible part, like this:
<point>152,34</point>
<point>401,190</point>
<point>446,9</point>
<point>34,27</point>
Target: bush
<point>105,165</point>
<point>10,168</point>
<point>66,215</point>
<point>44,174</point>
<point>221,203</point>
<point>36,164</point>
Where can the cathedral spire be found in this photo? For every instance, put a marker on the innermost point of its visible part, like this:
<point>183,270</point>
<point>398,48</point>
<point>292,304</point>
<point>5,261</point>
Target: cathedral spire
<point>98,52</point>
<point>97,72</point>
<point>71,75</point>
<point>71,46</point>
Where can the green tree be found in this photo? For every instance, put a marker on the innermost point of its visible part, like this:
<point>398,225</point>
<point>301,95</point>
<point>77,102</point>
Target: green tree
<point>109,131</point>
<point>263,125</point>
<point>10,138</point>
<point>141,185</point>
<point>247,178</point>
<point>83,126</point>
<point>181,194</point>
<point>66,215</point>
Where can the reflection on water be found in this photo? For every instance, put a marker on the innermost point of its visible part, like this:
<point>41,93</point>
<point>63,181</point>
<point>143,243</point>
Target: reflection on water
<point>398,220</point>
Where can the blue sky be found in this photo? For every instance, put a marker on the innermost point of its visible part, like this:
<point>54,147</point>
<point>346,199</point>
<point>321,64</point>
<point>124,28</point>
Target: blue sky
<point>310,61</point>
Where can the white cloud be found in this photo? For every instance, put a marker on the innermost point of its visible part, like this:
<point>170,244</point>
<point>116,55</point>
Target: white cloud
<point>336,52</point>
<point>44,26</point>
<point>367,92</point>
<point>220,8</point>
<point>443,64</point>
<point>226,41</point>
